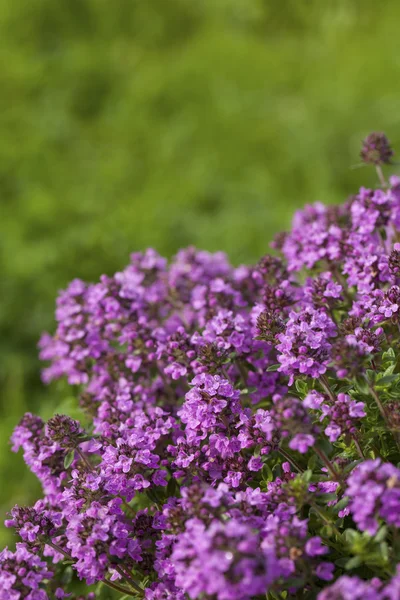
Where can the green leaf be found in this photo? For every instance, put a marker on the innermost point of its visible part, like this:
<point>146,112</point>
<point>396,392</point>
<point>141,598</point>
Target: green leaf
<point>389,355</point>
<point>351,465</point>
<point>350,536</point>
<point>384,548</point>
<point>69,459</point>
<point>173,488</point>
<point>307,475</point>
<point>342,562</point>
<point>390,370</point>
<point>353,563</point>
<point>387,379</point>
<point>312,462</point>
<point>382,533</point>
<point>341,504</point>
<point>301,386</point>
<point>273,368</point>
<point>266,472</point>
<point>362,386</point>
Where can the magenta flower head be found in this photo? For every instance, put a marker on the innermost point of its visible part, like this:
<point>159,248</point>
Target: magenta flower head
<point>376,149</point>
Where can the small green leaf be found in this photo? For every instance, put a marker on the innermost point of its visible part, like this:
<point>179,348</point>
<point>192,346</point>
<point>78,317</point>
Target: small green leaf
<point>342,562</point>
<point>266,472</point>
<point>341,504</point>
<point>362,385</point>
<point>301,387</point>
<point>350,536</point>
<point>389,355</point>
<point>386,380</point>
<point>312,462</point>
<point>384,551</point>
<point>69,459</point>
<point>353,563</point>
<point>273,368</point>
<point>307,475</point>
<point>172,488</point>
<point>382,533</point>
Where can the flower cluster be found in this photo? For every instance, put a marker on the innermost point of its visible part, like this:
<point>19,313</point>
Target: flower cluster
<point>240,426</point>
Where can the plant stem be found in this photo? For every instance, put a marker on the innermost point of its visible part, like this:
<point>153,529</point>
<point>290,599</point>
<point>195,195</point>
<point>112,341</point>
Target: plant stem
<point>358,447</point>
<point>325,384</point>
<point>331,469</point>
<point>128,578</point>
<point>341,280</point>
<point>120,588</point>
<point>128,508</point>
<point>60,550</point>
<point>384,414</point>
<point>381,175</point>
<point>291,460</point>
<point>110,584</point>
<point>83,459</point>
<point>325,518</point>
<point>242,371</point>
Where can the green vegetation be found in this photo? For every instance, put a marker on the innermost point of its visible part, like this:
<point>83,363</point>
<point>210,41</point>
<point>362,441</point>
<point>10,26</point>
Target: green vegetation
<point>165,123</point>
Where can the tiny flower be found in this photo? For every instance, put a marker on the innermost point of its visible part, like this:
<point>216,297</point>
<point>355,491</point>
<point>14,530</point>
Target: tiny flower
<point>302,442</point>
<point>325,571</point>
<point>255,463</point>
<point>314,547</point>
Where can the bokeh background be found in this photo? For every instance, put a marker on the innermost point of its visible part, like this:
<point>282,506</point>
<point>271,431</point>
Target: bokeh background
<point>134,123</point>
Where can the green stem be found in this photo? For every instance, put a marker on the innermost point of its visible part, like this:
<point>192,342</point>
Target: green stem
<point>120,588</point>
<point>381,176</point>
<point>325,385</point>
<point>292,461</point>
<point>128,578</point>
<point>110,584</point>
<point>324,517</point>
<point>384,414</point>
<point>242,371</point>
<point>358,447</point>
<point>84,459</point>
<point>331,469</point>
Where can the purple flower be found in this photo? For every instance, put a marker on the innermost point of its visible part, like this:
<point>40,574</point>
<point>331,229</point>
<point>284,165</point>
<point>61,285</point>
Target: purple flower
<point>325,571</point>
<point>314,547</point>
<point>302,442</point>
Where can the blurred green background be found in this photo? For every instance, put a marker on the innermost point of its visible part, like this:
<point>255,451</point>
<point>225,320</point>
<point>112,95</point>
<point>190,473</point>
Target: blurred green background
<point>134,123</point>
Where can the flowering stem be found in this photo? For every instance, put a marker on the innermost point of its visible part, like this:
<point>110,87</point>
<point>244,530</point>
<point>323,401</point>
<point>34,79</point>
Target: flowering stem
<point>60,550</point>
<point>128,507</point>
<point>381,175</point>
<point>384,414</point>
<point>225,374</point>
<point>83,459</point>
<point>341,280</point>
<point>325,384</point>
<point>331,469</point>
<point>128,578</point>
<point>325,518</point>
<point>378,403</point>
<point>110,584</point>
<point>358,447</point>
<point>120,588</point>
<point>292,461</point>
<point>242,371</point>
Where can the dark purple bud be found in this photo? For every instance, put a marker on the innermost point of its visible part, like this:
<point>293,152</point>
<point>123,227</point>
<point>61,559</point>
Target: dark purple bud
<point>66,431</point>
<point>376,149</point>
